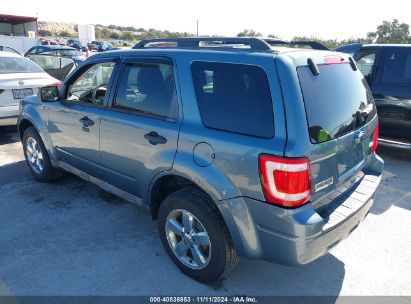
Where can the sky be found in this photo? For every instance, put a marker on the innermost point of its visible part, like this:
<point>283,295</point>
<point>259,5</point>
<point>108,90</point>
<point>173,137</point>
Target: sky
<point>285,19</point>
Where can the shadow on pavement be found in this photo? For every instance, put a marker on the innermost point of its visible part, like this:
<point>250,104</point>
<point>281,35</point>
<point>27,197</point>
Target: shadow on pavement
<point>8,135</point>
<point>14,172</point>
<point>395,186</point>
<point>321,277</point>
<point>66,238</point>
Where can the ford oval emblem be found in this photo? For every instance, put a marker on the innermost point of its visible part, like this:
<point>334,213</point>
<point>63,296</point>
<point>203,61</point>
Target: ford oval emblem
<point>21,82</point>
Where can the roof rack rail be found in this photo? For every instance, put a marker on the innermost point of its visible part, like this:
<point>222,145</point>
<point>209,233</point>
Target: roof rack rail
<point>256,44</point>
<point>313,44</point>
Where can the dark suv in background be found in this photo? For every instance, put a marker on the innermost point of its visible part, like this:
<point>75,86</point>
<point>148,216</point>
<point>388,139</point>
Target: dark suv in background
<point>387,69</point>
<point>237,148</point>
<point>99,46</point>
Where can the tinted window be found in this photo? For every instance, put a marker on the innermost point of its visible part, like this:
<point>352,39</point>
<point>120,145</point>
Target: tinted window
<point>337,101</point>
<point>148,89</point>
<point>234,98</point>
<point>69,53</point>
<point>397,67</point>
<point>92,84</point>
<point>48,62</point>
<point>365,62</point>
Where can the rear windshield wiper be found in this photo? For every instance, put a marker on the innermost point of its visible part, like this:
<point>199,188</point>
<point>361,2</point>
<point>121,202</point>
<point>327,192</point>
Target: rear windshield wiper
<point>362,115</point>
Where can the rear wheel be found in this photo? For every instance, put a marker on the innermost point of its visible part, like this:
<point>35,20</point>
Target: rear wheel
<point>37,157</point>
<point>195,236</point>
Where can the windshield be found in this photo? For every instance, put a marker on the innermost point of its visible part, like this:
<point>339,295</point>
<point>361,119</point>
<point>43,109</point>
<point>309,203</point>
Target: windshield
<point>69,53</point>
<point>337,101</point>
<point>18,65</point>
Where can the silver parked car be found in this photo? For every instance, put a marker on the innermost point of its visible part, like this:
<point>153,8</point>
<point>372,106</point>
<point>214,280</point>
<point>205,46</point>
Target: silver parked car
<point>19,78</point>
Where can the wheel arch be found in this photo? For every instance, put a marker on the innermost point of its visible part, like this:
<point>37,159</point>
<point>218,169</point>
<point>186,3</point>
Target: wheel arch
<point>33,119</point>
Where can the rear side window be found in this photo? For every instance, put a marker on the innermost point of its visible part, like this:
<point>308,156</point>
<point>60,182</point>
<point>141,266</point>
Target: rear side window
<point>337,101</point>
<point>234,98</point>
<point>397,67</point>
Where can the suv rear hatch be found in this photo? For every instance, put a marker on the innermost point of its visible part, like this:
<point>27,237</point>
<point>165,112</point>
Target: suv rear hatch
<point>341,123</point>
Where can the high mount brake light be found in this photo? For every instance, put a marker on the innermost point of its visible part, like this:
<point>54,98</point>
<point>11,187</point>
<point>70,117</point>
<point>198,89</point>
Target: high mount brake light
<point>285,181</point>
<point>333,60</point>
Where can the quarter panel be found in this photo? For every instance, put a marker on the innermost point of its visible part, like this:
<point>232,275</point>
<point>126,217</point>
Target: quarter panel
<point>235,159</point>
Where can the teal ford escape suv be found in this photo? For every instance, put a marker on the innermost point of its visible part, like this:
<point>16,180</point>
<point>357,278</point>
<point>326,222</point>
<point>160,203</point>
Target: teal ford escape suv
<point>237,148</point>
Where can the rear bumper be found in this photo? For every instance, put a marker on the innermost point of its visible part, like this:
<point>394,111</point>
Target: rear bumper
<point>8,115</point>
<point>8,121</point>
<point>298,236</point>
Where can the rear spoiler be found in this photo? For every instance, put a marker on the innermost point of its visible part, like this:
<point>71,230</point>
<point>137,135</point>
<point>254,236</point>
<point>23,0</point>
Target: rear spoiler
<point>296,43</point>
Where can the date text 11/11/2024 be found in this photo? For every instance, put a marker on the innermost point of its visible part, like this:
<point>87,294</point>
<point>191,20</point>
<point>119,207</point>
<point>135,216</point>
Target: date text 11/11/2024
<point>203,299</point>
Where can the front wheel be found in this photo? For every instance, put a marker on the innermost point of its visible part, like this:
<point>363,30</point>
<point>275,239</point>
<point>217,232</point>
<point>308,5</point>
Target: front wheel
<point>195,236</point>
<point>37,157</point>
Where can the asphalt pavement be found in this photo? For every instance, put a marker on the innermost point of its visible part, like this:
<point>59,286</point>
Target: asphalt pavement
<point>71,238</point>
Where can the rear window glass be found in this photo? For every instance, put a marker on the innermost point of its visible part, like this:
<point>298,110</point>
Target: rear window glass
<point>18,65</point>
<point>337,101</point>
<point>234,98</point>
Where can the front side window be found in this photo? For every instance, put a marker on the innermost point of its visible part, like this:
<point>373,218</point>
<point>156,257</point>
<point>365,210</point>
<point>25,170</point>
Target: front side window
<point>148,89</point>
<point>234,98</point>
<point>92,85</point>
<point>397,67</point>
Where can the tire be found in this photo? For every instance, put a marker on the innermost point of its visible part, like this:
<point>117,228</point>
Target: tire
<point>219,259</point>
<point>39,162</point>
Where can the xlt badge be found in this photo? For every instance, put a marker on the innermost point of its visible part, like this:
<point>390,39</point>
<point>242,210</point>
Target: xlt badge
<point>323,184</point>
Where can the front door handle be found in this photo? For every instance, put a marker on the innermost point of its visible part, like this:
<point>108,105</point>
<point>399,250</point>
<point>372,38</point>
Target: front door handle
<point>87,122</point>
<point>154,138</point>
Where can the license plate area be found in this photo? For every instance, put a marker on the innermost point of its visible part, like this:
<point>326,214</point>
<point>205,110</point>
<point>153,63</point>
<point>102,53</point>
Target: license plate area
<point>21,93</point>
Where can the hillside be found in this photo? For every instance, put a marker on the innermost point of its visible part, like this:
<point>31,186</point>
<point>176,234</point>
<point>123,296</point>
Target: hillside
<point>130,33</point>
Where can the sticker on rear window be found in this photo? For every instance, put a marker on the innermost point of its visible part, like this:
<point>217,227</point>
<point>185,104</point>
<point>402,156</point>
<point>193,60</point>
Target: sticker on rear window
<point>323,184</point>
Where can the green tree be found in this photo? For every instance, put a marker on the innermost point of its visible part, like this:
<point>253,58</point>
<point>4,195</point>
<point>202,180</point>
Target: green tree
<point>114,35</point>
<point>249,33</point>
<point>273,36</point>
<point>330,43</point>
<point>65,34</point>
<point>97,32</point>
<point>129,36</point>
<point>45,33</point>
<point>390,32</point>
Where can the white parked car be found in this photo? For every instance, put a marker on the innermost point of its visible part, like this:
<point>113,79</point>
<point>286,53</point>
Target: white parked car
<point>19,77</point>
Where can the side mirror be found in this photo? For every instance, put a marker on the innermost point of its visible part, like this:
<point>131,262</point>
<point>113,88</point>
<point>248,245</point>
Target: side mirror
<point>49,93</point>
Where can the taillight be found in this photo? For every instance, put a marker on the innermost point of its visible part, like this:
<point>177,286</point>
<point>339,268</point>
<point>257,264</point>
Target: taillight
<point>285,181</point>
<point>57,84</point>
<point>373,146</point>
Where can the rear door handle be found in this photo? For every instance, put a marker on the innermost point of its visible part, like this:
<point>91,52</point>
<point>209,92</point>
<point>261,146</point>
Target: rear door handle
<point>87,122</point>
<point>154,138</point>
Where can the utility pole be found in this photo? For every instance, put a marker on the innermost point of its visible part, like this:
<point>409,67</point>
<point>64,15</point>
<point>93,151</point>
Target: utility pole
<point>197,27</point>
